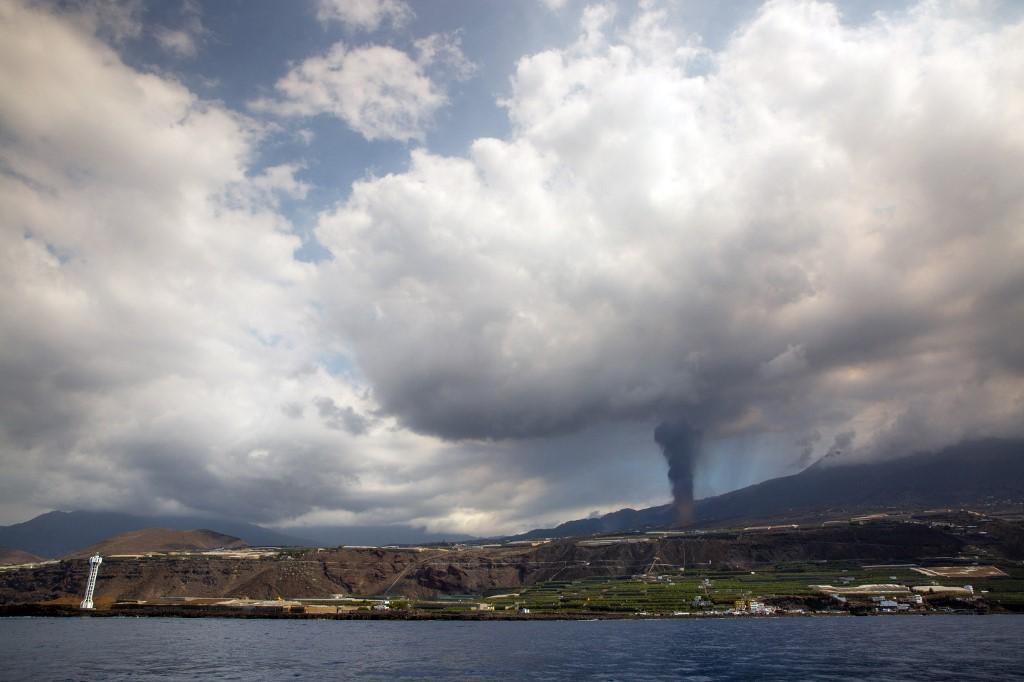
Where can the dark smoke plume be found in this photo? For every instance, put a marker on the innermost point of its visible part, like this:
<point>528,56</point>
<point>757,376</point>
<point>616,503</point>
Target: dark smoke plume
<point>680,443</point>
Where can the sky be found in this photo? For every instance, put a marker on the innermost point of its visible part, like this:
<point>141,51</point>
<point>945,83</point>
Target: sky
<point>450,263</point>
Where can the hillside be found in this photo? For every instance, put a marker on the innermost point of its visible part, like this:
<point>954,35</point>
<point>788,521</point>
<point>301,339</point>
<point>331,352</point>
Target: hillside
<point>160,540</point>
<point>476,569</point>
<point>59,533</point>
<point>971,473</point>
<point>12,557</point>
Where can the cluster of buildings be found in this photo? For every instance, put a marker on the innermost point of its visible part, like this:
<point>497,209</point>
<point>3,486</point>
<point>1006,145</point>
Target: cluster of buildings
<point>753,607</point>
<point>891,597</point>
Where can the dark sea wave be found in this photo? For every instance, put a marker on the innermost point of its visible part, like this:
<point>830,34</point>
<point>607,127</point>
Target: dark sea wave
<point>878,648</point>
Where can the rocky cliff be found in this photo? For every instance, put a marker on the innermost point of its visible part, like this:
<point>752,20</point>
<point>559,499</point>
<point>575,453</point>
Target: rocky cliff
<point>432,571</point>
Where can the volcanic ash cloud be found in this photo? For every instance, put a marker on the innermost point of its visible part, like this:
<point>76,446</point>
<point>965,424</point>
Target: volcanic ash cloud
<point>680,444</point>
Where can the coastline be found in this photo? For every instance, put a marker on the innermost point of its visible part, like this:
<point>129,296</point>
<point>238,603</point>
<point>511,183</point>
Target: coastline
<point>55,611</point>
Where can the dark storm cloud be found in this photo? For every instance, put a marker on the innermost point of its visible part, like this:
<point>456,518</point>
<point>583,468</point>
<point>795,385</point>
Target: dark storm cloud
<point>268,480</point>
<point>811,245</point>
<point>293,410</point>
<point>341,418</point>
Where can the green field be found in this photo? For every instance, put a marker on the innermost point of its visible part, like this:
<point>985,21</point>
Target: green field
<point>667,593</point>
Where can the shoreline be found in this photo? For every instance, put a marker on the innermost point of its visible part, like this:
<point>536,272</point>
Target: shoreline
<point>48,611</point>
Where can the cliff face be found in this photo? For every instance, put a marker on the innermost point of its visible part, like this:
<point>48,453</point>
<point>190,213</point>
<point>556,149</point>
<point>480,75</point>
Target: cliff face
<point>128,579</point>
<point>361,571</point>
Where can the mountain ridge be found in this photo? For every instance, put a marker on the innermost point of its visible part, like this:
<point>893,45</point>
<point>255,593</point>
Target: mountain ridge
<point>59,533</point>
<point>971,472</point>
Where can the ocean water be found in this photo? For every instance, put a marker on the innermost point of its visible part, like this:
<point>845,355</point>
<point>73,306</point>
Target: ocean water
<point>879,648</point>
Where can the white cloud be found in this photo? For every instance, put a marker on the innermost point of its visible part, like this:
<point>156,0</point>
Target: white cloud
<point>177,42</point>
<point>183,42</point>
<point>444,52</point>
<point>817,231</point>
<point>378,91</point>
<point>365,15</point>
<point>115,20</point>
<point>554,5</point>
<point>159,349</point>
<point>153,320</point>
<point>279,180</point>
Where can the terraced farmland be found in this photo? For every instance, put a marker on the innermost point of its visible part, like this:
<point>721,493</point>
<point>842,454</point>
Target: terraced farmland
<point>668,593</point>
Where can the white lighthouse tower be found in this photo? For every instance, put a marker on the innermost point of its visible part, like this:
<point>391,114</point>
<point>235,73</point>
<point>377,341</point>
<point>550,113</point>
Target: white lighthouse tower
<point>94,569</point>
